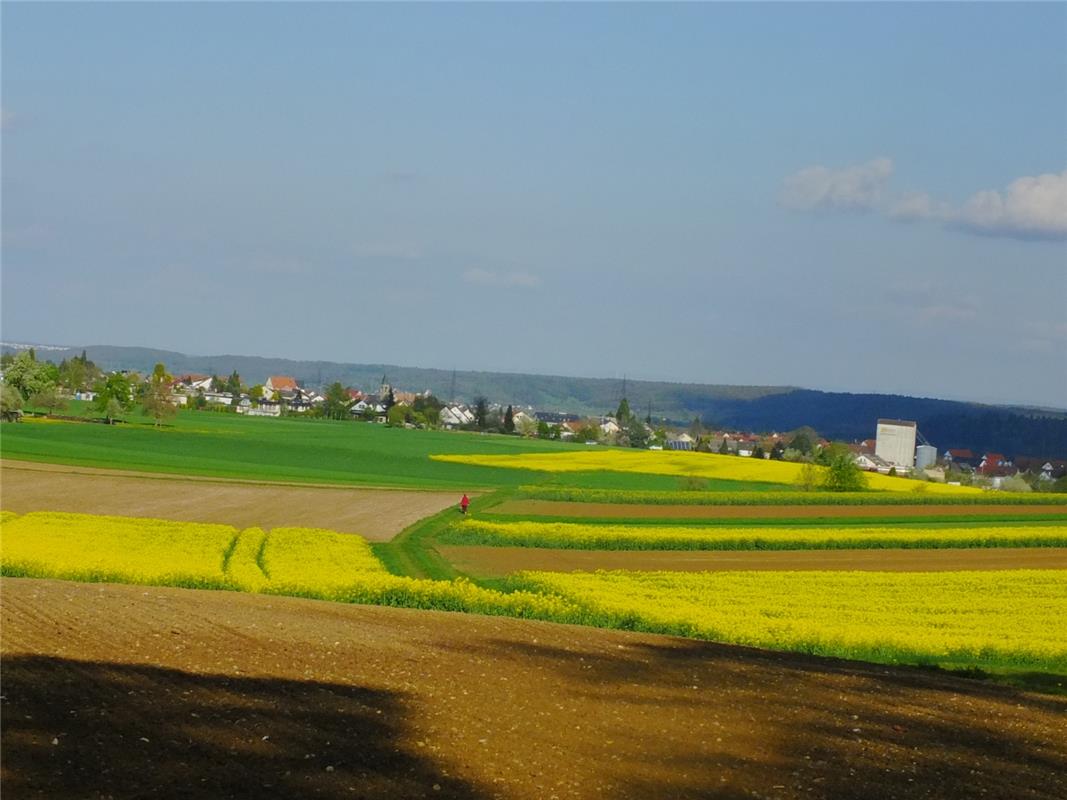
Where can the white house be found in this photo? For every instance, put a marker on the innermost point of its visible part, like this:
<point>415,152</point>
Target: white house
<point>282,384</point>
<point>609,427</point>
<point>453,416</point>
<point>682,441</point>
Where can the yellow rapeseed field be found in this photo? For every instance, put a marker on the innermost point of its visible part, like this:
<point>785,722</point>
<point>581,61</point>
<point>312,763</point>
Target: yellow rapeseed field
<point>580,536</point>
<point>684,463</point>
<point>292,561</point>
<point>994,618</point>
<point>121,549</point>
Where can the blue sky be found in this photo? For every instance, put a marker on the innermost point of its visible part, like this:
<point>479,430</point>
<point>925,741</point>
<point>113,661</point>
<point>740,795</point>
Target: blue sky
<point>858,197</point>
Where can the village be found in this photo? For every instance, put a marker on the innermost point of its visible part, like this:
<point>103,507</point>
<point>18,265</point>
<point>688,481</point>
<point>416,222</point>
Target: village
<point>898,447</point>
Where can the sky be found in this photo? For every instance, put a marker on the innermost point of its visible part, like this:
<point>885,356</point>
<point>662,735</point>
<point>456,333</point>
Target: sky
<point>855,197</point>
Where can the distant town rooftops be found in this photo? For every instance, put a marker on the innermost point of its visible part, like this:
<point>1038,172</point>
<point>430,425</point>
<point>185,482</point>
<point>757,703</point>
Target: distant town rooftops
<point>280,382</point>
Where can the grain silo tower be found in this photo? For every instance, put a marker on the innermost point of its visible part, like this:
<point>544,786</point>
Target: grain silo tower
<point>895,442</point>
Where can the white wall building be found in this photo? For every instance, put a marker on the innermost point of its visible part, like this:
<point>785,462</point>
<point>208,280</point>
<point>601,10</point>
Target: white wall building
<point>895,442</point>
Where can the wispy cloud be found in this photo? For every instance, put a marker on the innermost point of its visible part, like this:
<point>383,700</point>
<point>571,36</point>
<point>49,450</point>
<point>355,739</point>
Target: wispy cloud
<point>483,277</point>
<point>856,188</point>
<point>1031,207</point>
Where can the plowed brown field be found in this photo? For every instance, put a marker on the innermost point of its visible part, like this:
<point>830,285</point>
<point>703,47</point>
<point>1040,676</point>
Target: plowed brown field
<point>140,692</point>
<point>561,508</point>
<point>376,514</point>
<point>494,562</point>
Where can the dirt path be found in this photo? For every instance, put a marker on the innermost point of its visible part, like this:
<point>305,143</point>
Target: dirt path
<point>561,508</point>
<point>133,691</point>
<point>495,562</point>
<point>377,514</point>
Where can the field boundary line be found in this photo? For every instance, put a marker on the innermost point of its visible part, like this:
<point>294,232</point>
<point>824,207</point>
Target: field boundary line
<point>61,468</point>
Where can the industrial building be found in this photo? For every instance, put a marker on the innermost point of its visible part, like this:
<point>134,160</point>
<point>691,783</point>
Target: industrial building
<point>925,456</point>
<point>895,442</point>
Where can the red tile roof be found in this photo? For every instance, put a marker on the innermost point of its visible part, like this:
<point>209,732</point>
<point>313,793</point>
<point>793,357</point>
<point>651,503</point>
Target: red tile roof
<point>282,382</point>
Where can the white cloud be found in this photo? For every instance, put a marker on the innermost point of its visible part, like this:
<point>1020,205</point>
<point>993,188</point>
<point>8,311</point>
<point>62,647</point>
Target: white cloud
<point>483,277</point>
<point>856,188</point>
<point>1028,207</point>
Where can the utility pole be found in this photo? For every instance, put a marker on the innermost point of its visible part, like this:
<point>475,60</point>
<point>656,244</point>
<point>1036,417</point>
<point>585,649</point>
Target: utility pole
<point>452,388</point>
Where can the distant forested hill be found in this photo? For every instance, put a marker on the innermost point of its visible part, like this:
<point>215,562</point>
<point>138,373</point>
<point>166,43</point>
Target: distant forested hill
<point>837,415</point>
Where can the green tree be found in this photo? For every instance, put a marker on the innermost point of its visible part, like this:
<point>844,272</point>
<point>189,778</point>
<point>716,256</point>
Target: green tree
<point>778,451</point>
<point>481,413</point>
<point>588,433</point>
<point>843,474</point>
<point>156,398</point>
<point>622,414</point>
<point>112,396</point>
<point>807,477</point>
<point>509,421</point>
<point>802,442</point>
<point>10,403</point>
<point>29,375</point>
<point>337,402</point>
<point>636,433</point>
<point>544,430</point>
<point>724,448</point>
<point>757,451</point>
<point>233,384</point>
<point>49,399</point>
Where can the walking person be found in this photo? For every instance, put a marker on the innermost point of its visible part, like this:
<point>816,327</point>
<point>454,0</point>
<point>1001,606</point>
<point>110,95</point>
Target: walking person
<point>466,501</point>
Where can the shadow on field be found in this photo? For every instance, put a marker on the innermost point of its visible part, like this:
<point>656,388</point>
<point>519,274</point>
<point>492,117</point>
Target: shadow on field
<point>73,728</point>
<point>796,725</point>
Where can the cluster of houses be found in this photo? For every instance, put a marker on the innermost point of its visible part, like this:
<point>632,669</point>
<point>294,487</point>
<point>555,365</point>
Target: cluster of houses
<point>894,450</point>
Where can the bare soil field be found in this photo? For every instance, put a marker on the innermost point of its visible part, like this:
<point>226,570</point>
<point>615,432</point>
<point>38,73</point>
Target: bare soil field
<point>495,562</point>
<point>562,508</point>
<point>376,514</point>
<point>143,692</point>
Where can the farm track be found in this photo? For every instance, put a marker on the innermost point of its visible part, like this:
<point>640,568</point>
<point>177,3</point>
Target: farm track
<point>376,514</point>
<point>131,691</point>
<point>562,508</point>
<point>483,561</point>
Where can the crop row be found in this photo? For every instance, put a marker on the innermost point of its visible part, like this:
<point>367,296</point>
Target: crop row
<point>987,619</point>
<point>1003,618</point>
<point>798,498</point>
<point>291,561</point>
<point>686,464</point>
<point>577,536</point>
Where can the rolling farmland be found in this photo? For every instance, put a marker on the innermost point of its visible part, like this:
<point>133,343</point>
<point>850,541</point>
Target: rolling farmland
<point>901,578</point>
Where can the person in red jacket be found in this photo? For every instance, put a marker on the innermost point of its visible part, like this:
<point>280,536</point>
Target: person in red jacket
<point>466,501</point>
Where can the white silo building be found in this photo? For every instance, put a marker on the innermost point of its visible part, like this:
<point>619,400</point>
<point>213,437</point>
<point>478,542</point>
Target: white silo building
<point>925,456</point>
<point>895,442</point>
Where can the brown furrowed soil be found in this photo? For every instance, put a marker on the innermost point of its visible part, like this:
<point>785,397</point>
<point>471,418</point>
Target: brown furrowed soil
<point>482,561</point>
<point>562,508</point>
<point>127,691</point>
<point>376,514</point>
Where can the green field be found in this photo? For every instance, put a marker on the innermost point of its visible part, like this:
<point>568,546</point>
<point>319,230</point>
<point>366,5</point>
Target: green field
<point>306,450</point>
